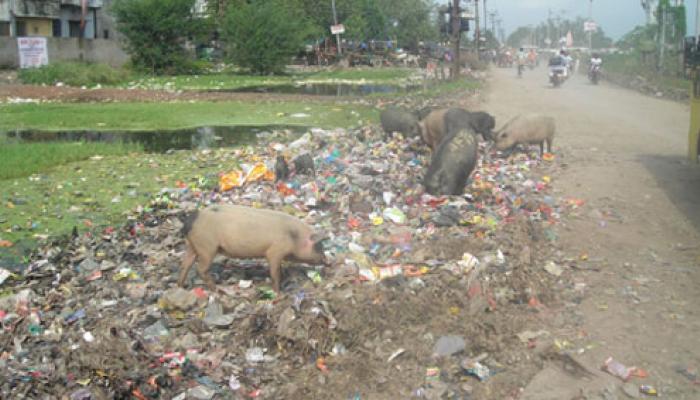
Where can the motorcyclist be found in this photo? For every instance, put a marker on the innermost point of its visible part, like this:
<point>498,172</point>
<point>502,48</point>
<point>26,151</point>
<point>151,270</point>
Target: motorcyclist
<point>567,60</point>
<point>594,68</point>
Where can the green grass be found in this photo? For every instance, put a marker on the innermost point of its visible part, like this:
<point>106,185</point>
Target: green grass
<point>231,81</point>
<point>631,65</point>
<point>370,74</point>
<point>23,159</point>
<point>73,74</point>
<point>167,116</point>
<point>95,192</point>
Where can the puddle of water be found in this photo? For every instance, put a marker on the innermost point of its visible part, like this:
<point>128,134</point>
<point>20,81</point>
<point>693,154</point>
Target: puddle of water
<point>161,141</point>
<point>325,89</point>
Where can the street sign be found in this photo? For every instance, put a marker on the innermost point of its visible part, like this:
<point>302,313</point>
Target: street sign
<point>337,29</point>
<point>590,26</point>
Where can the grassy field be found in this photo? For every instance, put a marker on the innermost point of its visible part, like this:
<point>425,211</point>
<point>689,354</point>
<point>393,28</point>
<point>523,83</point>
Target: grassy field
<point>94,193</point>
<point>166,116</point>
<point>24,159</point>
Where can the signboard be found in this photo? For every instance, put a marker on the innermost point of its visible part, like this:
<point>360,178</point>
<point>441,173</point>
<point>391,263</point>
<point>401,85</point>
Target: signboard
<point>32,52</point>
<point>338,29</point>
<point>590,26</point>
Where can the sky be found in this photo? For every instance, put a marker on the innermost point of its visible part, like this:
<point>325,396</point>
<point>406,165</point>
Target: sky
<point>615,17</point>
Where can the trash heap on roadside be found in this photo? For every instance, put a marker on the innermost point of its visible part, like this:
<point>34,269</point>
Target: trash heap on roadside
<point>438,285</point>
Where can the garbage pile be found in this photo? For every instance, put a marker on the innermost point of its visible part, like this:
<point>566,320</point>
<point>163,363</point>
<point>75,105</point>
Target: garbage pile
<point>425,296</point>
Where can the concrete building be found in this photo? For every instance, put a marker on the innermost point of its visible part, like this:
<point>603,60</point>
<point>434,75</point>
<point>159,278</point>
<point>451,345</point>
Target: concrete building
<point>50,18</point>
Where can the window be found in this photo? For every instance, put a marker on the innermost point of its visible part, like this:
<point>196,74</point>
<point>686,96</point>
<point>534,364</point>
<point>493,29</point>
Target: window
<point>4,28</point>
<point>57,28</point>
<point>74,29</point>
<point>21,27</point>
<point>106,33</point>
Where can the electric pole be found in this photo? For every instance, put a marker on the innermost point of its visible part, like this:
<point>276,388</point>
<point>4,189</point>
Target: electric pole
<point>335,22</point>
<point>549,22</point>
<point>456,34</point>
<point>477,35</point>
<point>590,32</point>
<point>662,36</point>
<point>486,13</point>
<point>697,18</point>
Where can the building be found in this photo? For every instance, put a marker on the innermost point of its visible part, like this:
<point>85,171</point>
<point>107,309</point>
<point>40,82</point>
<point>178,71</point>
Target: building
<point>51,18</point>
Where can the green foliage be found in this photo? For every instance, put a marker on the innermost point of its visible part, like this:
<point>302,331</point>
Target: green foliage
<point>24,159</point>
<point>408,21</point>
<point>640,38</point>
<point>536,35</point>
<point>156,31</point>
<point>264,34</point>
<point>73,74</point>
<point>675,31</point>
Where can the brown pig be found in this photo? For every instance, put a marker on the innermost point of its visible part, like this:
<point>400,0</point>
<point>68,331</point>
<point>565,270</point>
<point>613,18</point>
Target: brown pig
<point>244,232</point>
<point>433,127</point>
<point>529,129</point>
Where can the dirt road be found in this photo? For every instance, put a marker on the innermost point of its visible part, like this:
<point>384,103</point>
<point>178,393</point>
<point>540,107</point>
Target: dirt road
<point>626,158</point>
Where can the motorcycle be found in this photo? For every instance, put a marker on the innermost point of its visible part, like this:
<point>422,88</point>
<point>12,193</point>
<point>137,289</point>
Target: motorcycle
<point>557,75</point>
<point>557,71</point>
<point>594,73</point>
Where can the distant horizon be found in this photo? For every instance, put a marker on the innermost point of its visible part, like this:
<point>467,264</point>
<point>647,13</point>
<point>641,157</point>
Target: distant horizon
<point>615,20</point>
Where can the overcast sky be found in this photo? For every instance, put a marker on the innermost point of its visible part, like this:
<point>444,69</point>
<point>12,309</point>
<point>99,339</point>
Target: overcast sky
<point>616,17</point>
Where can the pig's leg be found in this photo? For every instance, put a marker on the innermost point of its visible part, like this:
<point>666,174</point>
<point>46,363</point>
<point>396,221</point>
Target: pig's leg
<point>274,258</point>
<point>549,145</point>
<point>203,270</point>
<point>541,148</point>
<point>187,261</point>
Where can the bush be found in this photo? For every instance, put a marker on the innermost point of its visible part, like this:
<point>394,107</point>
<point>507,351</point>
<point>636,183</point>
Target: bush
<point>73,74</point>
<point>156,32</point>
<point>263,35</point>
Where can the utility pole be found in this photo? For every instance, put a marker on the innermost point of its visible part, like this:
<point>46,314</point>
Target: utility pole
<point>477,35</point>
<point>493,23</point>
<point>697,18</point>
<point>549,22</point>
<point>456,22</point>
<point>662,36</point>
<point>486,25</point>
<point>590,33</point>
<point>335,22</point>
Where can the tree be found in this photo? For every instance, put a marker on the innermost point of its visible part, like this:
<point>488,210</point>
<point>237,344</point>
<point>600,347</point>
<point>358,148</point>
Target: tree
<point>538,34</point>
<point>408,21</point>
<point>156,32</point>
<point>263,35</point>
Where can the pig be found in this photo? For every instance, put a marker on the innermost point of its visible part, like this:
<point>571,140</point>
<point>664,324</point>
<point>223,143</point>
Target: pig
<point>397,120</point>
<point>244,232</point>
<point>452,164</point>
<point>442,122</point>
<point>304,164</point>
<point>528,129</point>
<point>479,122</point>
<point>433,128</point>
<point>423,112</point>
<point>281,169</point>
